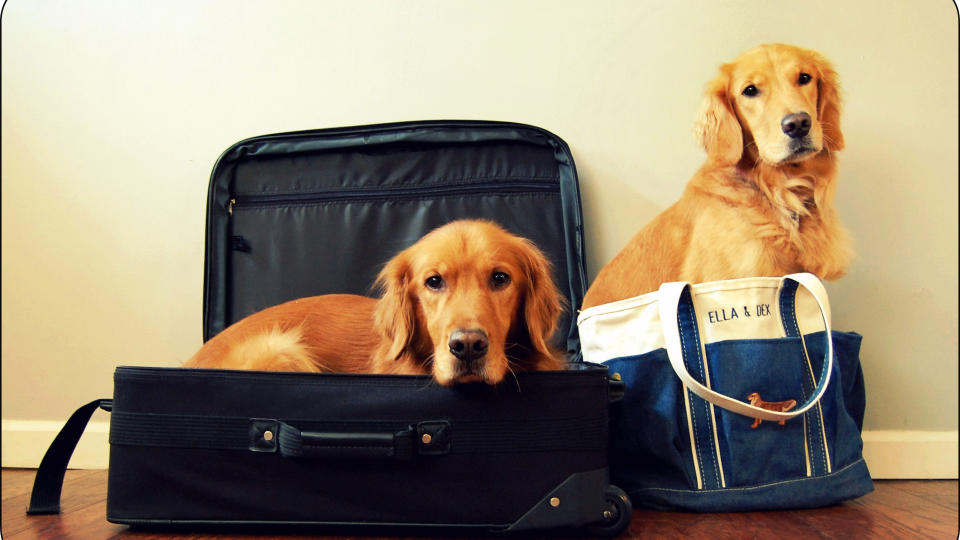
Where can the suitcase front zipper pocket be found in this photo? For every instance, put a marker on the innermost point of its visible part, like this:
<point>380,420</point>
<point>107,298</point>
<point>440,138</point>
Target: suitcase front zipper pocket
<point>285,199</point>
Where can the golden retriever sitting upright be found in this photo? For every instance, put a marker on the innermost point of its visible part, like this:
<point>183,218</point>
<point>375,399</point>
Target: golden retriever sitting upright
<point>762,204</point>
<point>469,302</point>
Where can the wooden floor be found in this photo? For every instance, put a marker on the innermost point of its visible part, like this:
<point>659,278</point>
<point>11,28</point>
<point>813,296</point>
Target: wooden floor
<point>897,509</point>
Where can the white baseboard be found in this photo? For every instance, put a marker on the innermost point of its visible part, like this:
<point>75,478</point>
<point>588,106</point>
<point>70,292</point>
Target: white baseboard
<point>889,454</point>
<point>911,454</point>
<point>24,442</point>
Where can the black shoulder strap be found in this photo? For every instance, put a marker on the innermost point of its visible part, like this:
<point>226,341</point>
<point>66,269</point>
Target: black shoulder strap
<point>49,481</point>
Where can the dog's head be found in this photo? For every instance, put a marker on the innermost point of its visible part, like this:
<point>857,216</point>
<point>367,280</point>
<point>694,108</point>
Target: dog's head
<point>776,103</point>
<point>469,302</point>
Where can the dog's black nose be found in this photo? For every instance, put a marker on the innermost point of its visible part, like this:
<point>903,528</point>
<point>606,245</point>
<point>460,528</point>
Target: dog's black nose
<point>468,344</point>
<point>796,125</point>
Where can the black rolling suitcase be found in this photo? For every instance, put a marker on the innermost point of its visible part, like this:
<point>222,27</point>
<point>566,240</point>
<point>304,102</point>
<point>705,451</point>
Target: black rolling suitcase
<point>314,212</point>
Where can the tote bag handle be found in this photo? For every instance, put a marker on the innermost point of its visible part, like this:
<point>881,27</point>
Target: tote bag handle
<point>669,302</point>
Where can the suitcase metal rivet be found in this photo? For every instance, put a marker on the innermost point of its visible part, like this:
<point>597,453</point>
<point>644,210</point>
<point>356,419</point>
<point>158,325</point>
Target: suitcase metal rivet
<point>268,435</point>
<point>426,438</point>
<point>554,501</point>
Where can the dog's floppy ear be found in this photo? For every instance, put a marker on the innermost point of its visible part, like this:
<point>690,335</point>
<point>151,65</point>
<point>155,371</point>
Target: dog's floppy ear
<point>717,127</point>
<point>542,302</point>
<point>828,104</point>
<point>394,318</point>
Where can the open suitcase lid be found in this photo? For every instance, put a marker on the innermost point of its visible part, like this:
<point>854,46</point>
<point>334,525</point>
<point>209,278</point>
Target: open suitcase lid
<point>315,212</point>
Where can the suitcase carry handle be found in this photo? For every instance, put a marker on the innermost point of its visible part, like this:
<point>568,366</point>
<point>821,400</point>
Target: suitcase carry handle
<point>340,445</point>
<point>48,483</point>
<point>423,439</point>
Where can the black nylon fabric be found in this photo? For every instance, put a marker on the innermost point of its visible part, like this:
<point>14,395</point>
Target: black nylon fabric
<point>500,462</point>
<point>317,212</point>
<point>470,436</point>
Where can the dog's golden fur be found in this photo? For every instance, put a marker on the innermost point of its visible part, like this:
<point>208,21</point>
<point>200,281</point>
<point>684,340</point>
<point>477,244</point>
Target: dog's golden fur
<point>762,204</point>
<point>470,276</point>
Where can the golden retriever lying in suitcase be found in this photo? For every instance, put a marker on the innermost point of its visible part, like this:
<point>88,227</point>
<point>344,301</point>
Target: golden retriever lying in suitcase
<point>762,204</point>
<point>469,302</point>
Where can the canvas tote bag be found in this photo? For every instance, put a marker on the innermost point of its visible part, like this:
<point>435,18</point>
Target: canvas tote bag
<point>739,396</point>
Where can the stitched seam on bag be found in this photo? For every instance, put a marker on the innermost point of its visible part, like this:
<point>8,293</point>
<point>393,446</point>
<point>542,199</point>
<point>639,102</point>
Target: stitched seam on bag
<point>355,383</point>
<point>410,198</point>
<point>754,487</point>
<point>702,289</point>
<point>691,407</point>
<point>788,310</point>
<point>703,374</point>
<point>809,426</point>
<point>821,434</point>
<point>811,421</point>
<point>561,379</point>
<point>584,433</point>
<point>696,440</point>
<point>442,182</point>
<point>823,438</point>
<point>277,380</point>
<point>618,306</point>
<point>712,427</point>
<point>693,412</point>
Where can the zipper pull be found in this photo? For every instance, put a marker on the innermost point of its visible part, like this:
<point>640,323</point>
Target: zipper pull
<point>230,206</point>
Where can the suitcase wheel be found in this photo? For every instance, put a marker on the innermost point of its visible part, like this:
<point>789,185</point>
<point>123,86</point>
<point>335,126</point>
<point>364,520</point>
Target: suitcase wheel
<point>616,514</point>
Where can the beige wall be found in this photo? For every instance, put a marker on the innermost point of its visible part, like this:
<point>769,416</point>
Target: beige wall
<point>114,112</point>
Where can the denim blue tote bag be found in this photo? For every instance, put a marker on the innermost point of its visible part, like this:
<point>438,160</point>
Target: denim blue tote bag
<point>739,396</point>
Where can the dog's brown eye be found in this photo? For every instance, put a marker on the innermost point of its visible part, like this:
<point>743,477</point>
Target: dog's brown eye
<point>804,78</point>
<point>751,91</point>
<point>499,280</point>
<point>434,282</point>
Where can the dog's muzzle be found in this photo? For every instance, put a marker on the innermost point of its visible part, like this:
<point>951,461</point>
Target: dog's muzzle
<point>797,125</point>
<point>468,345</point>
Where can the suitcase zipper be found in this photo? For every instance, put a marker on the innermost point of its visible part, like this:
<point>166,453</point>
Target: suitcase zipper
<point>280,199</point>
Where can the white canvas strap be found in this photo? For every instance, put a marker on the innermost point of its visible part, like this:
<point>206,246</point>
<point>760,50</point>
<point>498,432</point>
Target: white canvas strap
<point>670,297</point>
